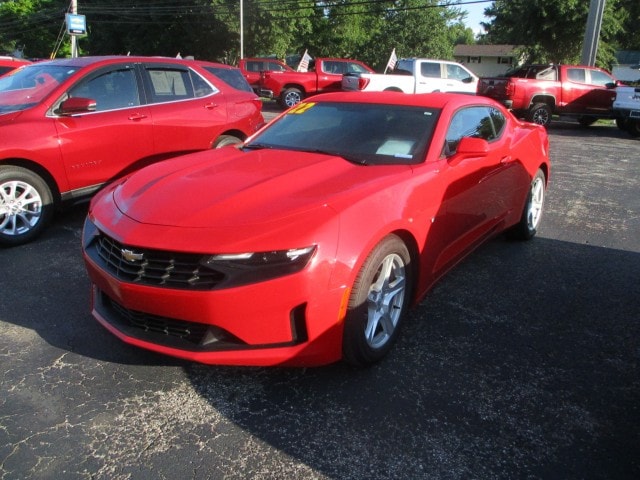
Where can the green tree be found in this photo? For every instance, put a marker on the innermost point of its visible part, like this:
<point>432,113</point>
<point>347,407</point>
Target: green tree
<point>553,31</point>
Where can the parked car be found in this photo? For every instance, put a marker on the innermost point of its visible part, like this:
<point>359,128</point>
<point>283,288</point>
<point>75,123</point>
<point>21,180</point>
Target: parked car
<point>69,126</point>
<point>251,68</point>
<point>536,92</point>
<point>309,243</point>
<point>626,108</point>
<point>8,64</point>
<point>416,75</point>
<point>324,75</point>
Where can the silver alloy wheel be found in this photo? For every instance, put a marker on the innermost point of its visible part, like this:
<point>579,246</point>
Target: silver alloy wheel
<point>20,207</point>
<point>541,117</point>
<point>292,97</point>
<point>385,301</point>
<point>536,203</point>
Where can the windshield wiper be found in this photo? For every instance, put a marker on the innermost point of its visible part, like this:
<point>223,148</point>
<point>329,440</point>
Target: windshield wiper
<point>349,158</point>
<point>256,146</point>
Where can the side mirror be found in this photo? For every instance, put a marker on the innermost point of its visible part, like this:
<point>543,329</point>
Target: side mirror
<point>469,147</point>
<point>473,147</point>
<point>77,105</point>
<point>611,85</point>
<point>467,80</point>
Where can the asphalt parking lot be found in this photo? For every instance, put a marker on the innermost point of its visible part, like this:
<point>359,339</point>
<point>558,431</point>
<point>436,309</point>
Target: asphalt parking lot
<point>522,363</point>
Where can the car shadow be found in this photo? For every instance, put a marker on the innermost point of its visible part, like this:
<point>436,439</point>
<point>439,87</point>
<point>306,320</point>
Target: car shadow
<point>45,289</point>
<point>524,359</point>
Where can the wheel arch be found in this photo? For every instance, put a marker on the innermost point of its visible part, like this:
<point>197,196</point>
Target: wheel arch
<point>294,85</point>
<point>38,170</point>
<point>543,98</point>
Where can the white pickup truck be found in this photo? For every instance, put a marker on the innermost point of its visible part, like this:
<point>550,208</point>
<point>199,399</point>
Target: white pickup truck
<point>415,75</point>
<point>626,109</point>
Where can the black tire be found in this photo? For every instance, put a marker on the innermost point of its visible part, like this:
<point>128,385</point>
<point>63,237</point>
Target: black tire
<point>529,222</point>
<point>633,127</point>
<point>622,124</point>
<point>290,97</point>
<point>26,205</point>
<point>540,113</point>
<point>379,300</point>
<point>587,121</point>
<point>224,140</point>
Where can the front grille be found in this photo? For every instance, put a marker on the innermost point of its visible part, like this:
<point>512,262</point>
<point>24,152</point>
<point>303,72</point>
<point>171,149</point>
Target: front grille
<point>188,331</point>
<point>165,331</point>
<point>154,267</point>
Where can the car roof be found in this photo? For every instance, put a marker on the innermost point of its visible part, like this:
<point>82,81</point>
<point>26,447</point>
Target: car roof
<point>109,59</point>
<point>432,100</point>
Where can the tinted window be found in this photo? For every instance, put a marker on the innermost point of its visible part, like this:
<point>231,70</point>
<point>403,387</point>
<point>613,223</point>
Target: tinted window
<point>600,78</point>
<point>231,77</point>
<point>169,84</point>
<point>430,69</point>
<point>576,75</point>
<point>476,122</point>
<point>111,90</point>
<point>4,70</point>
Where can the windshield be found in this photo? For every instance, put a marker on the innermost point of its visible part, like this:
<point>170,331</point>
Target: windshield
<point>27,86</point>
<point>365,133</point>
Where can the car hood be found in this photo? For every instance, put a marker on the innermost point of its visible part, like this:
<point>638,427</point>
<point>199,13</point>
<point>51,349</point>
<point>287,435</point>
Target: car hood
<point>231,187</point>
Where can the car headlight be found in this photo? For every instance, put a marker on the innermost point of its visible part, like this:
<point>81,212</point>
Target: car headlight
<point>251,267</point>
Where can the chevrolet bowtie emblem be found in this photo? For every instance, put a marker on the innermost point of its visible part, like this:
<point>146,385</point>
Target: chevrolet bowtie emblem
<point>131,256</point>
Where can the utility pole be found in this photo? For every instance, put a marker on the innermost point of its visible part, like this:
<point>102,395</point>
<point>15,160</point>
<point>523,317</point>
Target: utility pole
<point>592,33</point>
<point>74,44</point>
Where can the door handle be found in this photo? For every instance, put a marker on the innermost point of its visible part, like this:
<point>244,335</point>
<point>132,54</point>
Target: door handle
<point>137,116</point>
<point>211,106</point>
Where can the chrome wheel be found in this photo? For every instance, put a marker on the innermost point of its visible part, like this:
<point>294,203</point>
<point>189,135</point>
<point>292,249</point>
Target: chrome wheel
<point>20,208</point>
<point>291,97</point>
<point>536,203</point>
<point>385,301</point>
<point>378,302</point>
<point>26,205</point>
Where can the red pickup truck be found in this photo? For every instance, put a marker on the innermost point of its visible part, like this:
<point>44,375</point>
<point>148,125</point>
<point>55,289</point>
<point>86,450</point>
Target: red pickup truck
<point>324,75</point>
<point>536,92</point>
<point>251,68</point>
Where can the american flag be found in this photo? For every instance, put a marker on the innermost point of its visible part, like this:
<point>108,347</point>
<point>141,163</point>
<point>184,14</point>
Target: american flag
<point>393,59</point>
<point>303,66</point>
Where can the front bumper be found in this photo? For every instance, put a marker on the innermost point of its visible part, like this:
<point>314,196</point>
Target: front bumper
<point>278,322</point>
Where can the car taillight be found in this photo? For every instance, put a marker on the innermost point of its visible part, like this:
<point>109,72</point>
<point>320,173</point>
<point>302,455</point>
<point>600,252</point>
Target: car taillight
<point>363,82</point>
<point>510,90</point>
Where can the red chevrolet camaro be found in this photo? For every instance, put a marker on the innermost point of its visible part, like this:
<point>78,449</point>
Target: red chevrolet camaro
<point>308,243</point>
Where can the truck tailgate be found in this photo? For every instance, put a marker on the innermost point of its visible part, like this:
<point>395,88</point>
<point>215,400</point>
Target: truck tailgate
<point>493,87</point>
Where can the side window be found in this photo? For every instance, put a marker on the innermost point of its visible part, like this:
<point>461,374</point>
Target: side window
<point>356,68</point>
<point>576,75</point>
<point>332,67</point>
<point>430,69</point>
<point>172,84</point>
<point>476,122</point>
<point>111,90</point>
<point>254,66</point>
<point>456,72</point>
<point>600,78</point>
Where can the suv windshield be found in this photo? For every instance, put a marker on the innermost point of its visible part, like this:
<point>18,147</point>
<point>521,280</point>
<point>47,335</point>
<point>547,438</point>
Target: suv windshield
<point>29,85</point>
<point>365,133</point>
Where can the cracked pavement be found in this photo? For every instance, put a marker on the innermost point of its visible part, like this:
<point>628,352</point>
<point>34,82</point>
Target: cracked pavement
<point>521,363</point>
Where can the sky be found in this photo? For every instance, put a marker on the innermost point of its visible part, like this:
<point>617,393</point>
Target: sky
<point>475,14</point>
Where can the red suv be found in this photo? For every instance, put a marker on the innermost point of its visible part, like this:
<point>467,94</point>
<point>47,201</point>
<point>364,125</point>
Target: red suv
<point>69,126</point>
<point>8,64</point>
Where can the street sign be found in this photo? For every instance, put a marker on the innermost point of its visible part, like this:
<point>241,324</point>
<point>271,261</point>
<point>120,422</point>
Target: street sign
<point>76,24</point>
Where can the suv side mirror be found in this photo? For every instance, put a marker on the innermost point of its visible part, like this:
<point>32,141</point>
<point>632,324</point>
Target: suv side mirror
<point>77,105</point>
